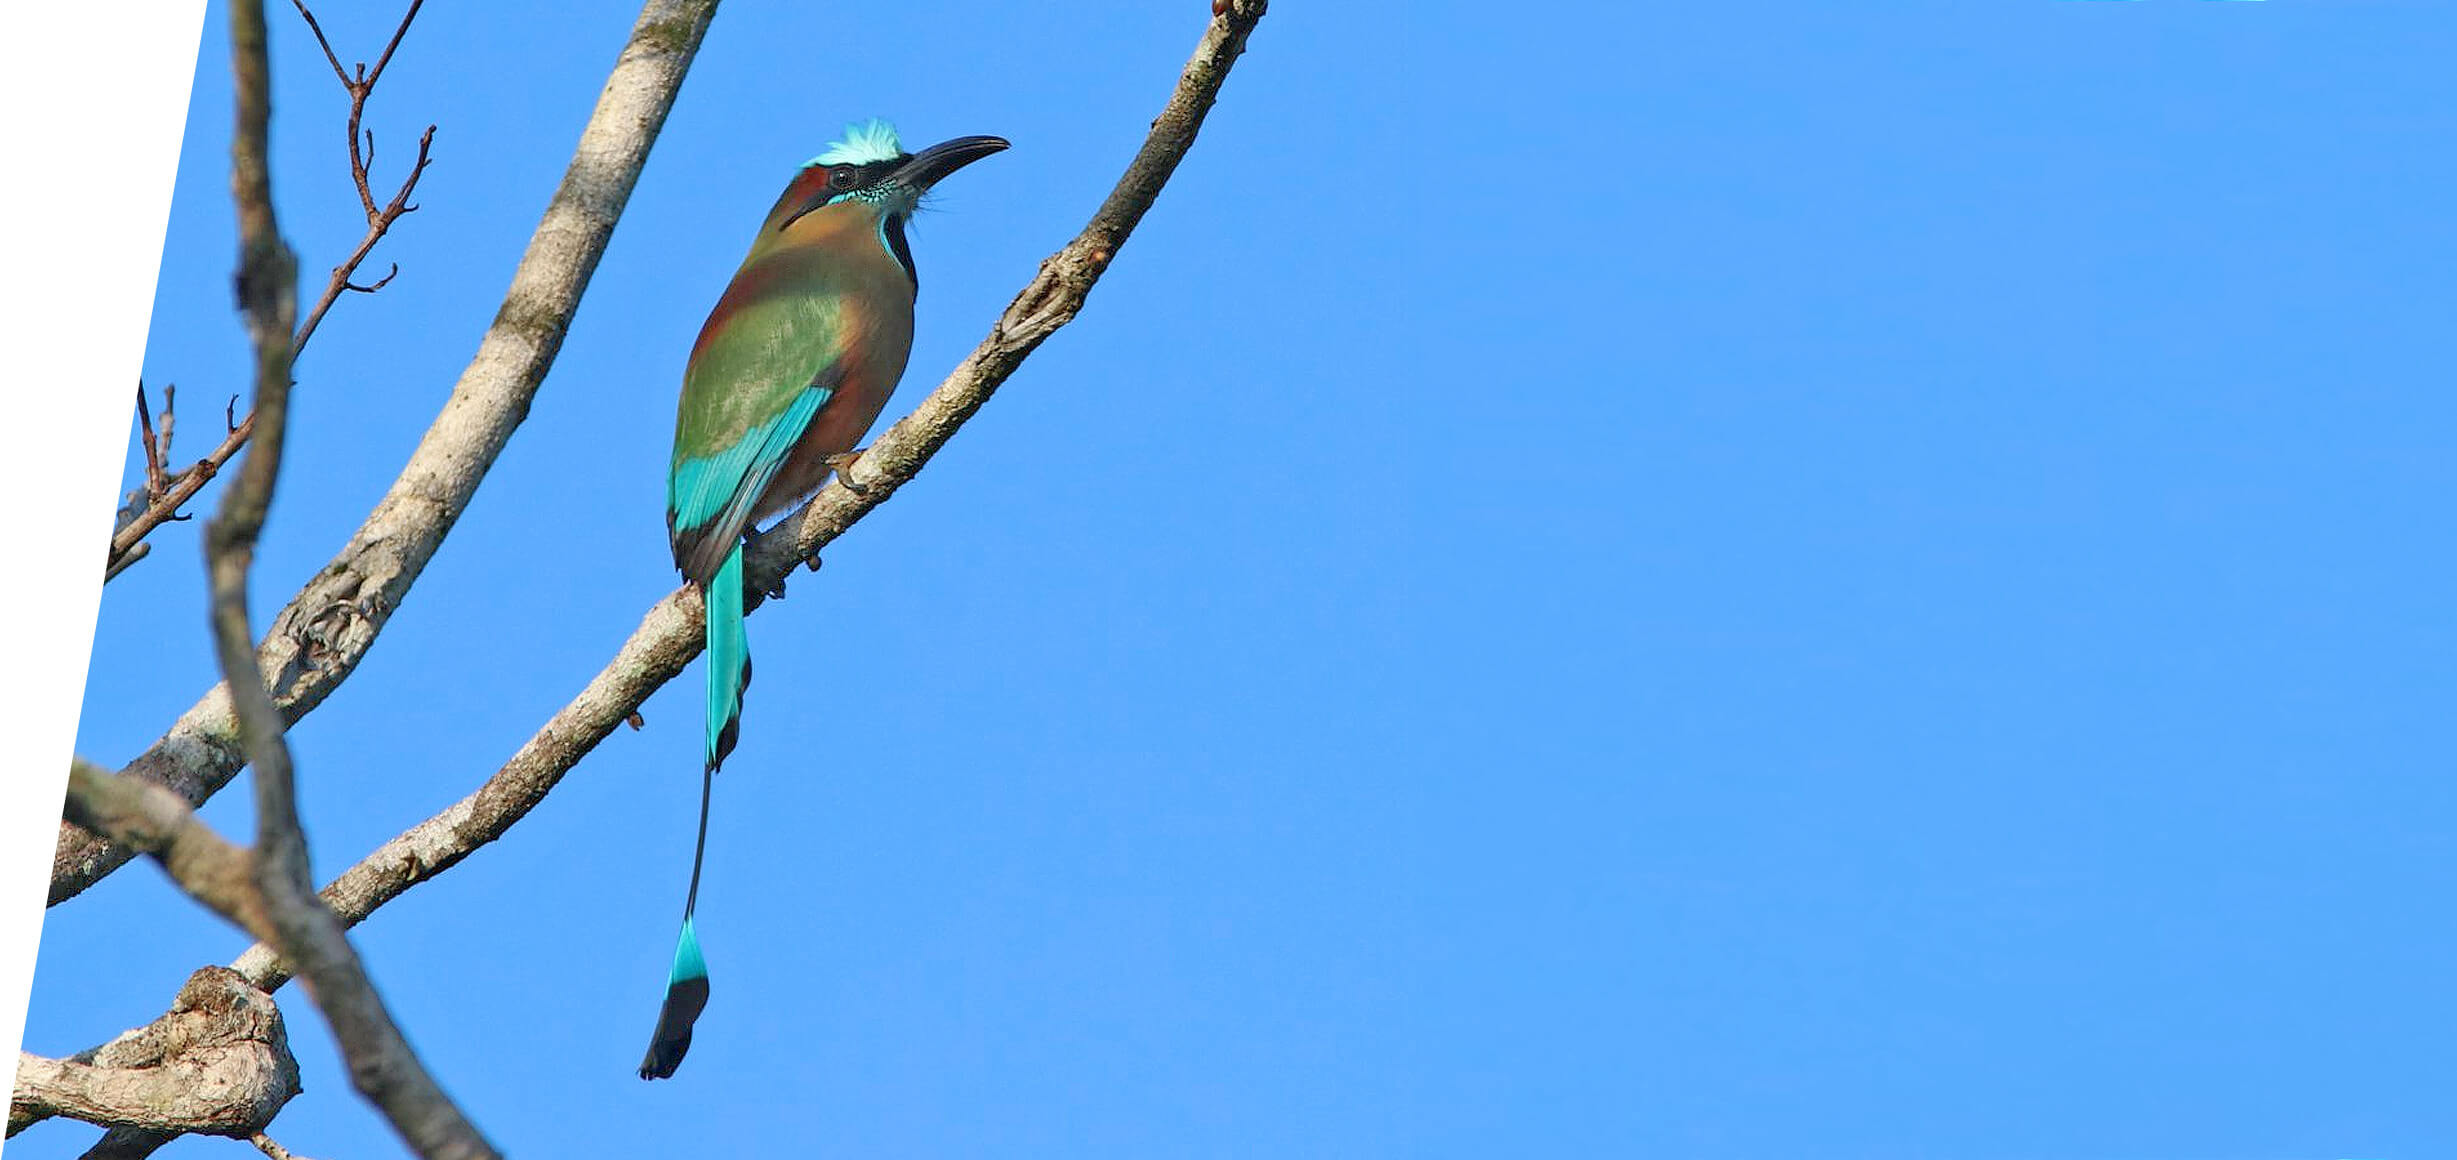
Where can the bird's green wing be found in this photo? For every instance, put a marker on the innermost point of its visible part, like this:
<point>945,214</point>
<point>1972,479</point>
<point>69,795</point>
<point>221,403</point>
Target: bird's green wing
<point>764,366</point>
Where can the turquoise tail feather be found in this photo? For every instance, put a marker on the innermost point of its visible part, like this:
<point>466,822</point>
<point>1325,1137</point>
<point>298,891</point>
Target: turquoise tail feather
<point>686,995</point>
<point>686,986</point>
<point>729,673</point>
<point>729,657</point>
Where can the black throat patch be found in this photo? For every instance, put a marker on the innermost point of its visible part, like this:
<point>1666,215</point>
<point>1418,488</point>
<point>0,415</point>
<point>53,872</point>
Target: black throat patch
<point>893,230</point>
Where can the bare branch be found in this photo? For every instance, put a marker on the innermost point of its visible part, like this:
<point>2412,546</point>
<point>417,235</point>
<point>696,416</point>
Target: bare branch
<point>359,87</point>
<point>672,632</point>
<point>394,43</point>
<point>155,447</point>
<point>218,1062</point>
<point>1048,302</point>
<point>175,494</point>
<point>318,639</point>
<point>665,642</point>
<point>127,1144</point>
<point>167,496</point>
<point>382,1066</point>
<point>272,1148</point>
<point>123,563</point>
<point>378,221</point>
<point>376,285</point>
<point>148,818</point>
<point>152,820</point>
<point>142,1116</point>
<point>324,44</point>
<point>170,407</point>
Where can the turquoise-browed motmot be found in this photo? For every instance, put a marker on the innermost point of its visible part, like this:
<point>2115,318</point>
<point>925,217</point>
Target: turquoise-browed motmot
<point>790,369</point>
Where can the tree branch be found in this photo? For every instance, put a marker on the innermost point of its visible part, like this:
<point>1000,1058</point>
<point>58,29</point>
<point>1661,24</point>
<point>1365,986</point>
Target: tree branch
<point>358,88</point>
<point>149,819</point>
<point>379,219</point>
<point>166,495</point>
<point>172,493</point>
<point>1049,301</point>
<point>381,1064</point>
<point>218,1063</point>
<point>672,632</point>
<point>317,640</point>
<point>665,642</point>
<point>222,1087</point>
<point>272,1148</point>
<point>156,481</point>
<point>152,820</point>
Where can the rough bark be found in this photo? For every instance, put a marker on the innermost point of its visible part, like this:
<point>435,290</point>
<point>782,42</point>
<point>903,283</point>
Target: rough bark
<point>318,639</point>
<point>382,1066</point>
<point>218,1062</point>
<point>673,630</point>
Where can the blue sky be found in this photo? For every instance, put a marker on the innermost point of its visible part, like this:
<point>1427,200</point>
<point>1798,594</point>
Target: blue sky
<point>1710,580</point>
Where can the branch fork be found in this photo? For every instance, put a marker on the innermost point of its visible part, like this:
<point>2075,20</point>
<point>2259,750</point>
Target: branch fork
<point>164,495</point>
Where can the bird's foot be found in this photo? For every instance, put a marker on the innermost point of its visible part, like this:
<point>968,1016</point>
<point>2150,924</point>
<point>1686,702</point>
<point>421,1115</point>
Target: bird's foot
<point>842,465</point>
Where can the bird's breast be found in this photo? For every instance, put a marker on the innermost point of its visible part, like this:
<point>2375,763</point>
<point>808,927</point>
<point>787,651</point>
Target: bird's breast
<point>859,305</point>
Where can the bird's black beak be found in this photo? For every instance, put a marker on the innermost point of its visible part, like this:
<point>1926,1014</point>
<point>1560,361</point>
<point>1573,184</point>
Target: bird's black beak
<point>924,169</point>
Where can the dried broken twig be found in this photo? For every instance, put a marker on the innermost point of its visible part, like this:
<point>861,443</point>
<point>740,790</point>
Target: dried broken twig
<point>164,495</point>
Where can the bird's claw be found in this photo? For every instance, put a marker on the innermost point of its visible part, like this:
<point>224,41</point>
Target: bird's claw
<point>842,464</point>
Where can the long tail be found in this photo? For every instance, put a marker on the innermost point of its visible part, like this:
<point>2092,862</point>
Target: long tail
<point>729,673</point>
<point>686,989</point>
<point>729,658</point>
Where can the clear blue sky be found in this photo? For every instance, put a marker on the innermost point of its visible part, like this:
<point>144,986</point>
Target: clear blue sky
<point>1707,580</point>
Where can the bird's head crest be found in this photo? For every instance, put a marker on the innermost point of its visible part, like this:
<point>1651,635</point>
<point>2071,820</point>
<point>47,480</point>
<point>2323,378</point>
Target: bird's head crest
<point>864,142</point>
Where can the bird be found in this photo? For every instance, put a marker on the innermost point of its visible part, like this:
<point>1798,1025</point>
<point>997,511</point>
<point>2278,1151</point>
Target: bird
<point>792,367</point>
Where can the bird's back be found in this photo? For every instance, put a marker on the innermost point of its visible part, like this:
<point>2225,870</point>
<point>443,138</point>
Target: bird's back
<point>823,302</point>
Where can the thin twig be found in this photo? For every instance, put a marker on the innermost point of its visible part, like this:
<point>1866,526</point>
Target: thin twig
<point>176,493</point>
<point>122,564</point>
<point>272,1148</point>
<point>359,86</point>
<point>327,46</point>
<point>394,43</point>
<point>379,218</point>
<point>671,633</point>
<point>167,496</point>
<point>381,1064</point>
<point>316,641</point>
<point>170,417</point>
<point>155,480</point>
<point>1048,302</point>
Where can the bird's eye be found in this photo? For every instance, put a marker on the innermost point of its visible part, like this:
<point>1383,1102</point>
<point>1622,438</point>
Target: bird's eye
<point>840,179</point>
